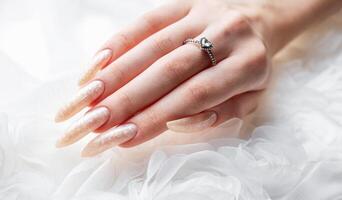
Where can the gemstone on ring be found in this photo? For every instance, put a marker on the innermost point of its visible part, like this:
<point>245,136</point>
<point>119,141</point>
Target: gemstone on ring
<point>205,43</point>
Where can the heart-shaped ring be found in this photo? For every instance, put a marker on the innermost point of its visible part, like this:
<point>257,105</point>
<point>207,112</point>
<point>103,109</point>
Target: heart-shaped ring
<point>206,46</point>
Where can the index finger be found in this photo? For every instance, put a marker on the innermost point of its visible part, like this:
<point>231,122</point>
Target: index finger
<point>124,40</point>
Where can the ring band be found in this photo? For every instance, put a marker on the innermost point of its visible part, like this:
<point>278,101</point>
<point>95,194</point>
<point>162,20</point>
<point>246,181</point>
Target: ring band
<point>206,46</point>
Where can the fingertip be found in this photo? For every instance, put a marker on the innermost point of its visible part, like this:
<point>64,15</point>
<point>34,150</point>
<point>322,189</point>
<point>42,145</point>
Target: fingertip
<point>58,118</point>
<point>99,61</point>
<point>195,123</point>
<point>129,144</point>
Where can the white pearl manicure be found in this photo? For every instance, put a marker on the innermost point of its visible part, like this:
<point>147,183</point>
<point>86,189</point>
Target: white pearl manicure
<point>109,139</point>
<point>194,123</point>
<point>98,62</point>
<point>88,123</point>
<point>82,99</point>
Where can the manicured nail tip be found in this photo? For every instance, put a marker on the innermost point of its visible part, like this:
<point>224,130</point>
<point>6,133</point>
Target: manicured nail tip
<point>83,98</point>
<point>86,153</point>
<point>194,123</point>
<point>58,118</point>
<point>88,123</point>
<point>60,144</point>
<point>109,139</point>
<point>99,61</point>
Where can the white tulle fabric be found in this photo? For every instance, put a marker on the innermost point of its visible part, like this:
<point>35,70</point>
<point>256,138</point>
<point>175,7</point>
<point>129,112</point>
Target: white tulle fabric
<point>294,153</point>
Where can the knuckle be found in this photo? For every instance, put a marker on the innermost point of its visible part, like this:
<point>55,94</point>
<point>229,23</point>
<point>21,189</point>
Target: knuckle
<point>235,109</point>
<point>152,117</point>
<point>243,104</point>
<point>123,40</point>
<point>257,66</point>
<point>238,18</point>
<point>161,44</point>
<point>174,69</point>
<point>127,104</point>
<point>151,20</point>
<point>260,55</point>
<point>198,92</point>
<point>116,73</point>
<point>234,23</point>
<point>227,30</point>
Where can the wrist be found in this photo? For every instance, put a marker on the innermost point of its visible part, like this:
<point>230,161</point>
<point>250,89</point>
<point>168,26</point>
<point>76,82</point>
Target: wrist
<point>278,22</point>
<point>261,17</point>
<point>271,23</point>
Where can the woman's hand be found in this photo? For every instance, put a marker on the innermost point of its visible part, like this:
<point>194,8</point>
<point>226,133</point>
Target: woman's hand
<point>144,79</point>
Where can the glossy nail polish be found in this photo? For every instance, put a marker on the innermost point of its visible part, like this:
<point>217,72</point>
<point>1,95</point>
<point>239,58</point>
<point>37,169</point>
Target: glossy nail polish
<point>98,62</point>
<point>82,99</point>
<point>194,123</point>
<point>88,123</point>
<point>109,139</point>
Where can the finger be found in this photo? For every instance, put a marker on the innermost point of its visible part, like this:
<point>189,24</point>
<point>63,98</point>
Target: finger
<point>148,24</point>
<point>141,57</point>
<point>236,107</point>
<point>159,79</point>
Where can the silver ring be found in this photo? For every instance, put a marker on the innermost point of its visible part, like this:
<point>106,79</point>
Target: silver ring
<point>206,46</point>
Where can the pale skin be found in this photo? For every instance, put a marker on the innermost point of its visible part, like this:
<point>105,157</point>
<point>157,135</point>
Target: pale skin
<point>152,81</point>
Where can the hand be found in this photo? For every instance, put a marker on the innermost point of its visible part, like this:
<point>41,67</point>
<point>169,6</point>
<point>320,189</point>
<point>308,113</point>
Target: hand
<point>152,79</point>
<point>148,79</point>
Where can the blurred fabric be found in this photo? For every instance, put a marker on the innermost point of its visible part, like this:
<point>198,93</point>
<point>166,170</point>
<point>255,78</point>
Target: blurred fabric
<point>294,152</point>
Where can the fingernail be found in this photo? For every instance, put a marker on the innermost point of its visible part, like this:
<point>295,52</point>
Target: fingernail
<point>83,98</point>
<point>98,62</point>
<point>194,123</point>
<point>109,139</point>
<point>88,123</point>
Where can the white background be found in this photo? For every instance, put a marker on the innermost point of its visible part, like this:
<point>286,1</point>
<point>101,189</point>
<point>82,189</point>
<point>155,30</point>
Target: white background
<point>294,154</point>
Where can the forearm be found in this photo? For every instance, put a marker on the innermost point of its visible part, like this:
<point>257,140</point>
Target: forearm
<point>280,21</point>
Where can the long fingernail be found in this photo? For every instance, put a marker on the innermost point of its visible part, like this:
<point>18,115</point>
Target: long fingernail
<point>194,123</point>
<point>88,123</point>
<point>83,98</point>
<point>109,139</point>
<point>98,62</point>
